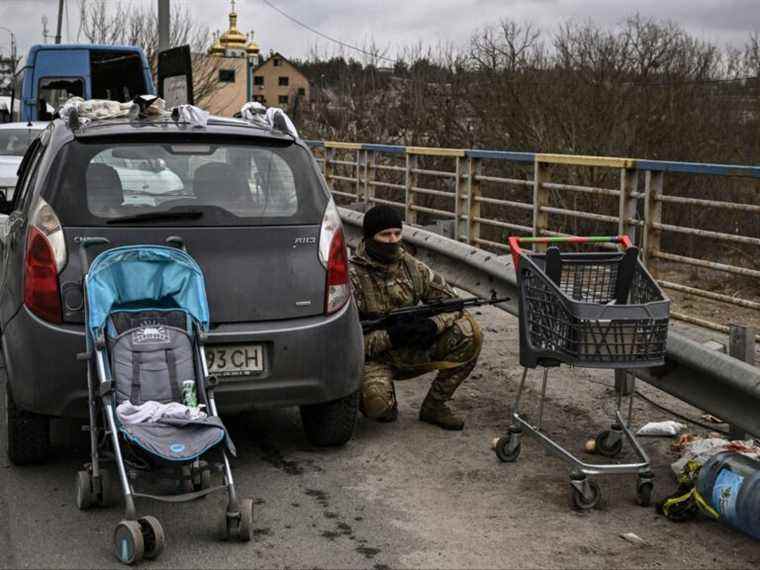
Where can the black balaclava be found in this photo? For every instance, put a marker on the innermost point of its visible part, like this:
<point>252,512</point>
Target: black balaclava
<point>377,219</point>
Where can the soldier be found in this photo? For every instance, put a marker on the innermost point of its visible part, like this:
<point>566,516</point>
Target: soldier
<point>385,277</point>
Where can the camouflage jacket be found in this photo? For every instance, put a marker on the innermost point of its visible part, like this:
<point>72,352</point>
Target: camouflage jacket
<point>379,288</point>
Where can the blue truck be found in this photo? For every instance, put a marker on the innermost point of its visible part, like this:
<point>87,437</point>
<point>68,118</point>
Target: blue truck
<point>53,73</point>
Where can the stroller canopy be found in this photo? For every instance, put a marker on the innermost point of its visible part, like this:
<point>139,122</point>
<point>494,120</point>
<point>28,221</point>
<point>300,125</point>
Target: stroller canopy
<point>143,273</point>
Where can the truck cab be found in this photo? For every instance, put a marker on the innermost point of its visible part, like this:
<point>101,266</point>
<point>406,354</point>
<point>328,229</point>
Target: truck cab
<point>54,73</point>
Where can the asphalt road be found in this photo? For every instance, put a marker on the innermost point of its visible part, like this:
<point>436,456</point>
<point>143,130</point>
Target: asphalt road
<point>398,495</point>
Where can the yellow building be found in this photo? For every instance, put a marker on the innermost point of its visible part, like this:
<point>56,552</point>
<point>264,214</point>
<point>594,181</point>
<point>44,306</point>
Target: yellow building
<point>236,74</point>
<point>278,83</point>
<point>227,66</point>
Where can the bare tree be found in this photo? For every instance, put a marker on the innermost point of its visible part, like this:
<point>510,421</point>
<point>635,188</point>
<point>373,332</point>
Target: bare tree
<point>113,23</point>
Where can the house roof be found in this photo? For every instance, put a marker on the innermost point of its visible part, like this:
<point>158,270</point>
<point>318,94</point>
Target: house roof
<point>271,57</point>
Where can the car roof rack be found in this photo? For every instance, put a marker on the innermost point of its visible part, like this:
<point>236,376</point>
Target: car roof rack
<point>79,114</point>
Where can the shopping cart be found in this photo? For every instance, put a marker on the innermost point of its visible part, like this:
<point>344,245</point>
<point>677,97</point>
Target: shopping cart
<point>591,310</point>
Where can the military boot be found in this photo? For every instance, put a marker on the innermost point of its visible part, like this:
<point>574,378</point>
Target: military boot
<point>439,414</point>
<point>389,416</point>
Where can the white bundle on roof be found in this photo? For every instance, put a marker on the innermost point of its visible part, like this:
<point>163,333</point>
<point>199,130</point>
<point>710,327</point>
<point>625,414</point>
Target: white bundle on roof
<point>273,117</point>
<point>196,116</point>
<point>93,109</point>
<point>85,111</point>
<point>250,111</point>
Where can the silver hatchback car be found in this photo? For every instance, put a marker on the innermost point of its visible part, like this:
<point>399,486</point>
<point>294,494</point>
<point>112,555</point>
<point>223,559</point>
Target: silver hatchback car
<point>247,202</point>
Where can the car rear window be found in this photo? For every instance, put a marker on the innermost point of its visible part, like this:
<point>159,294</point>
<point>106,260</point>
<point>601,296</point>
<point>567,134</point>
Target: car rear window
<point>227,185</point>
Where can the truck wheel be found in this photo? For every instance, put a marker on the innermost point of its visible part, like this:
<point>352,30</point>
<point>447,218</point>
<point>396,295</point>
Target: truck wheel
<point>330,423</point>
<point>28,434</point>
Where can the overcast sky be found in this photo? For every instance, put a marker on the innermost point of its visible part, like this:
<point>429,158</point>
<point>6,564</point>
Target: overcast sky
<point>392,23</point>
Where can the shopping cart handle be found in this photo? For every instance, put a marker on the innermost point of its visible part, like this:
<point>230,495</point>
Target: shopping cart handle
<point>515,241</point>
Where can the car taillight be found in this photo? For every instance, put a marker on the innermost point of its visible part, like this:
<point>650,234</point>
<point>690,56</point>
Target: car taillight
<point>44,260</point>
<point>333,256</point>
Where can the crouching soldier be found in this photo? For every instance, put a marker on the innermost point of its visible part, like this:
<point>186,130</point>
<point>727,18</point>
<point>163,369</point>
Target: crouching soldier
<point>385,277</point>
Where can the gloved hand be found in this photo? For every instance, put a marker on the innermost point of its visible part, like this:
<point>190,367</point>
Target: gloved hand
<point>419,333</point>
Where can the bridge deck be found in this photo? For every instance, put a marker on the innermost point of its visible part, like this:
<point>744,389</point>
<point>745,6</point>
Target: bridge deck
<point>399,495</point>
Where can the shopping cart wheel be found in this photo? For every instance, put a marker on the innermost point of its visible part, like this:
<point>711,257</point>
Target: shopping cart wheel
<point>507,448</point>
<point>609,443</point>
<point>85,498</point>
<point>128,543</point>
<point>154,539</point>
<point>644,489</point>
<point>584,494</point>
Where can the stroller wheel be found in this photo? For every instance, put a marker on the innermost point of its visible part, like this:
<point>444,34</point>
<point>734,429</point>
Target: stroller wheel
<point>245,529</point>
<point>128,543</point>
<point>226,527</point>
<point>108,497</point>
<point>239,525</point>
<point>205,480</point>
<point>154,538</point>
<point>186,480</point>
<point>85,498</point>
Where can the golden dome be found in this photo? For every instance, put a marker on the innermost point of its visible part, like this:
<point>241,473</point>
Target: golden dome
<point>231,39</point>
<point>216,48</point>
<point>252,48</point>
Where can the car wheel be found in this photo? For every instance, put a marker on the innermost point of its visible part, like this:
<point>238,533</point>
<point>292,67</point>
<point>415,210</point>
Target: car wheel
<point>28,434</point>
<point>330,423</point>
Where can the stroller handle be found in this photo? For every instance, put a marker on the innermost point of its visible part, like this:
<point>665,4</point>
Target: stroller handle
<point>84,243</point>
<point>515,241</point>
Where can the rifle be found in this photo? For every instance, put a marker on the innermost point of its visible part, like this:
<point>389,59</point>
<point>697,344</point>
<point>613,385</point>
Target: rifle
<point>408,314</point>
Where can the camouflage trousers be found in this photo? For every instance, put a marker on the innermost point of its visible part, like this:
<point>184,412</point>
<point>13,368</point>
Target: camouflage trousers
<point>454,354</point>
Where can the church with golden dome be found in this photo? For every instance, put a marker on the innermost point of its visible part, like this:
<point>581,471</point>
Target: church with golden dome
<point>233,43</point>
<point>244,74</point>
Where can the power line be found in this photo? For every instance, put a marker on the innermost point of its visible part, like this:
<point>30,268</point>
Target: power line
<point>325,36</point>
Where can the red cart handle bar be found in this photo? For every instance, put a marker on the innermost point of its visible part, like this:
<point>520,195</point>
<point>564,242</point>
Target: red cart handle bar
<point>515,241</point>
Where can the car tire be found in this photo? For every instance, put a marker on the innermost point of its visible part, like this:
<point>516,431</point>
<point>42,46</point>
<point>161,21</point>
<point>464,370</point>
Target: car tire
<point>331,423</point>
<point>28,434</point>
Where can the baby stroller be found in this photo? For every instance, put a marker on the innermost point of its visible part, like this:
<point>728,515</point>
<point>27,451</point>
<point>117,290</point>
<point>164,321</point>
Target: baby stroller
<point>146,319</point>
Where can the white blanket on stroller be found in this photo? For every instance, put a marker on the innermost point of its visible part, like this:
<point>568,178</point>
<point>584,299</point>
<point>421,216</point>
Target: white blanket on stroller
<point>155,412</point>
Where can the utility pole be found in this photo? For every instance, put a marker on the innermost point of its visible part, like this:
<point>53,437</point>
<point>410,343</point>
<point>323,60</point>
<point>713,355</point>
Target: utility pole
<point>14,64</point>
<point>164,13</point>
<point>60,22</point>
<point>45,34</point>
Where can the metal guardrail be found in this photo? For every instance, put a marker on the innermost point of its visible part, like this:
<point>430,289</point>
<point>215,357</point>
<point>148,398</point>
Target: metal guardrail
<point>707,379</point>
<point>394,175</point>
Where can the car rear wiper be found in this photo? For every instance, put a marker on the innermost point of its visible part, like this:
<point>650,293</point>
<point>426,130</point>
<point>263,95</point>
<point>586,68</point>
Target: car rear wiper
<point>165,215</point>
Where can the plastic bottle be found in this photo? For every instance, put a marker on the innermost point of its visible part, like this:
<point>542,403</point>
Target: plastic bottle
<point>189,396</point>
<point>730,483</point>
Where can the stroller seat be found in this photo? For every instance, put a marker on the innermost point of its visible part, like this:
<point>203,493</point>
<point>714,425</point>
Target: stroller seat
<point>152,362</point>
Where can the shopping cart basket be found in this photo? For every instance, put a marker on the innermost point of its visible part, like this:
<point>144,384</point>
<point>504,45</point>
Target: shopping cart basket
<point>591,310</point>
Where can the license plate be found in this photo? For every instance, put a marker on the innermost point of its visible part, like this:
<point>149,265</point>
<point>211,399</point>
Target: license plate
<point>234,359</point>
